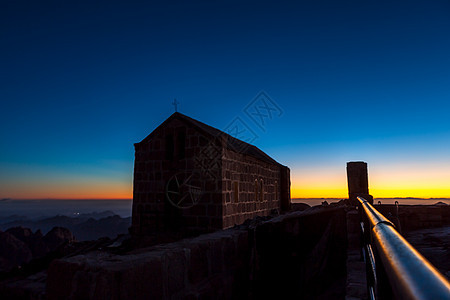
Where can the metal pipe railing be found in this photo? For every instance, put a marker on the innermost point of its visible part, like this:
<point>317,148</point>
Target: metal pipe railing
<point>409,274</point>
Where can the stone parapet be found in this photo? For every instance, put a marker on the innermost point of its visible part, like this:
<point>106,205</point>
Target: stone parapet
<point>212,264</point>
<point>296,254</point>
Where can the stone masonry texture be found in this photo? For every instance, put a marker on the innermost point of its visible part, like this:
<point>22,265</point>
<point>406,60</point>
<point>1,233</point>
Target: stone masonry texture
<point>233,181</point>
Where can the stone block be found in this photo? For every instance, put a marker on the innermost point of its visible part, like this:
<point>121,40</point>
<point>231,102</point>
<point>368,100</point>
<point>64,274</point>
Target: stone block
<point>215,256</point>
<point>142,280</point>
<point>229,251</point>
<point>198,261</point>
<point>226,222</point>
<point>60,276</point>
<point>175,262</point>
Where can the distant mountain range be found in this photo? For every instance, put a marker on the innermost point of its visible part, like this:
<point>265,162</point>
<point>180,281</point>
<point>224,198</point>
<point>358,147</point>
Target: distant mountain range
<point>83,226</point>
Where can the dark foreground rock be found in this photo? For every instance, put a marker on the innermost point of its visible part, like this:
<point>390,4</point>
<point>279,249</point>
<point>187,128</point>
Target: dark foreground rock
<point>34,241</point>
<point>13,252</point>
<point>58,236</point>
<point>19,246</point>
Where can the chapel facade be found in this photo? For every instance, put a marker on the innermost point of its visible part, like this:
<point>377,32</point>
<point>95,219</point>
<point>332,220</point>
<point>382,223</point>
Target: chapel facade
<point>191,177</point>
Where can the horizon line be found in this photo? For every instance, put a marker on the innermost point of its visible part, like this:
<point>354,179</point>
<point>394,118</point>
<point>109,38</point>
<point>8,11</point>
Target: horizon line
<point>292,198</point>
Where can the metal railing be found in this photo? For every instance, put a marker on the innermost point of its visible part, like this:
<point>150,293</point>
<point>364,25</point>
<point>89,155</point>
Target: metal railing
<point>394,268</point>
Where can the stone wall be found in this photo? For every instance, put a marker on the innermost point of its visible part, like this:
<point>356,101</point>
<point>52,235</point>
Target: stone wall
<point>210,266</point>
<point>175,149</point>
<point>413,217</point>
<point>356,284</point>
<point>250,188</point>
<point>233,187</point>
<point>297,255</point>
<point>302,255</point>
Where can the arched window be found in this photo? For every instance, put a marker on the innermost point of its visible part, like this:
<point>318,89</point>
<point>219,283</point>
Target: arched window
<point>236,191</point>
<point>276,190</point>
<point>261,190</point>
<point>256,189</point>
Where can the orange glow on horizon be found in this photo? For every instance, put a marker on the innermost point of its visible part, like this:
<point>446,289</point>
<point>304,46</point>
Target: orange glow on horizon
<point>412,180</point>
<point>418,180</point>
<point>326,192</point>
<point>69,190</point>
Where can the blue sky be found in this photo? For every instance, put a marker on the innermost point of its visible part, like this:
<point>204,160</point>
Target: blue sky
<point>81,82</point>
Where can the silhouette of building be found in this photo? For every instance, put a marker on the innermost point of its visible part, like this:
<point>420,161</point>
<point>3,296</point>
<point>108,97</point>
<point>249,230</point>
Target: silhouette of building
<point>190,177</point>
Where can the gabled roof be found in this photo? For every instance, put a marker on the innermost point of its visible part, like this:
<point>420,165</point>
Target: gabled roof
<point>233,143</point>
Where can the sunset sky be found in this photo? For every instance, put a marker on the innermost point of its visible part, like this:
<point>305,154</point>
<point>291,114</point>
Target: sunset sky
<point>354,80</point>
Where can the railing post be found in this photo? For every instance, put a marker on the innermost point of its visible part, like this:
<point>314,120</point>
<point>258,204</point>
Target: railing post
<point>358,182</point>
<point>384,289</point>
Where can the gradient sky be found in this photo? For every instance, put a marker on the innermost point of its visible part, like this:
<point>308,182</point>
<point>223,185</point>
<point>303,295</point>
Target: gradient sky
<point>356,80</point>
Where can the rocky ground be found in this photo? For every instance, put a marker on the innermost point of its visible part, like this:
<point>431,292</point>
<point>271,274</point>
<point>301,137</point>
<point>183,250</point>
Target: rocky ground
<point>19,245</point>
<point>25,256</point>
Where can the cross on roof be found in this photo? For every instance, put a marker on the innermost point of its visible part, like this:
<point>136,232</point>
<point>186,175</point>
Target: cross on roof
<point>175,104</point>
